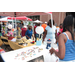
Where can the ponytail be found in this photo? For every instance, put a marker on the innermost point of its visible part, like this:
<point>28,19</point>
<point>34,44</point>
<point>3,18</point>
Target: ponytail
<point>69,24</point>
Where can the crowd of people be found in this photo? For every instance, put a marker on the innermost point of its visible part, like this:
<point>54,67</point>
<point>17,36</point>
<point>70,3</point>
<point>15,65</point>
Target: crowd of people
<point>28,30</point>
<point>64,37</point>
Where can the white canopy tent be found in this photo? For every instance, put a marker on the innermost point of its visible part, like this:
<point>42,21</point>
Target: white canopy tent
<point>5,19</point>
<point>37,21</point>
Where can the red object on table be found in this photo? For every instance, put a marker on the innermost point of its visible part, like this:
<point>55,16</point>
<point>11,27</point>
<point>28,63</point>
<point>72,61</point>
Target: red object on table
<point>1,50</point>
<point>33,41</point>
<point>10,37</point>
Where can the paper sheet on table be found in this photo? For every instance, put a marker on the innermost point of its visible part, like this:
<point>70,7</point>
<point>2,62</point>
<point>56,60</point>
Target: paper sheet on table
<point>14,40</point>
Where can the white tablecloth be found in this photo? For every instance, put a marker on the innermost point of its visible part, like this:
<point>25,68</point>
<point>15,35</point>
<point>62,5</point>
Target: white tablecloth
<point>9,56</point>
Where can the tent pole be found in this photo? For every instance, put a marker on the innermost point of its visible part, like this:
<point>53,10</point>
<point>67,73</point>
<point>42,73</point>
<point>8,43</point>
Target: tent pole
<point>12,21</point>
<point>15,17</point>
<point>51,20</point>
<point>52,30</point>
<point>15,22</point>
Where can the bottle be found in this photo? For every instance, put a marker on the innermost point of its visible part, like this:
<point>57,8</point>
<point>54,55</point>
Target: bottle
<point>48,44</point>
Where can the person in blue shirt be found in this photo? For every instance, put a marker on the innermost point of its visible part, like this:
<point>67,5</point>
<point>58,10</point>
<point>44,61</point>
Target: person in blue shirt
<point>29,32</point>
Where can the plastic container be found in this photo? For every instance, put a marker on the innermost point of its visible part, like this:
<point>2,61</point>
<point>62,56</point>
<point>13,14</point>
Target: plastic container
<point>39,42</point>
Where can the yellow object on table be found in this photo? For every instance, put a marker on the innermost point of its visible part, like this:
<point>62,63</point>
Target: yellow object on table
<point>2,37</point>
<point>1,43</point>
<point>15,45</point>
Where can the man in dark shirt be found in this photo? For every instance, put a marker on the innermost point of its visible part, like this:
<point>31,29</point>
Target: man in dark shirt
<point>35,34</point>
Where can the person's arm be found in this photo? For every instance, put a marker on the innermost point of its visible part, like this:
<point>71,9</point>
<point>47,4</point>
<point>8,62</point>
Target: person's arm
<point>56,36</point>
<point>34,31</point>
<point>32,35</point>
<point>27,37</point>
<point>45,34</point>
<point>61,52</point>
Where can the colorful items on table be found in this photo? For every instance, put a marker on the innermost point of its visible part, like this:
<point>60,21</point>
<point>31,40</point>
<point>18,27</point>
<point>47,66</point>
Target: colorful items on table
<point>10,33</point>
<point>3,33</point>
<point>2,50</point>
<point>48,43</point>
<point>33,42</point>
<point>10,37</point>
<point>13,30</point>
<point>3,30</point>
<point>28,53</point>
<point>0,34</point>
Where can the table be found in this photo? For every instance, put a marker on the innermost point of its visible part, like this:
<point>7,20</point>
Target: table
<point>10,56</point>
<point>6,38</point>
<point>1,42</point>
<point>15,45</point>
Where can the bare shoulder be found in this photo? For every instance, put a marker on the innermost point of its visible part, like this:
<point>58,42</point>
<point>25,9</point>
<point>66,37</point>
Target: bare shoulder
<point>62,37</point>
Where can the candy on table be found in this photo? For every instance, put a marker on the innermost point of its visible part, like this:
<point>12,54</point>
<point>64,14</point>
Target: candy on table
<point>22,53</point>
<point>38,50</point>
<point>33,47</point>
<point>33,51</point>
<point>18,58</point>
<point>18,54</point>
<point>41,48</point>
<point>25,52</point>
<point>1,50</point>
<point>15,58</point>
<point>30,55</point>
<point>23,58</point>
<point>37,47</point>
<point>34,54</point>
